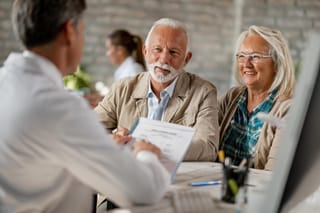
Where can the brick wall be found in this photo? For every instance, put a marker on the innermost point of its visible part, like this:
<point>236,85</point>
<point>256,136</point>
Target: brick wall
<point>212,25</point>
<point>207,21</point>
<point>295,18</point>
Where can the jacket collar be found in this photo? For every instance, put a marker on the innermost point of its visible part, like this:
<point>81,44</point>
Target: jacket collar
<point>175,102</point>
<point>141,89</point>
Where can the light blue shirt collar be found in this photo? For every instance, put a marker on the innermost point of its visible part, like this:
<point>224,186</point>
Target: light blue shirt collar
<point>153,102</point>
<point>169,89</point>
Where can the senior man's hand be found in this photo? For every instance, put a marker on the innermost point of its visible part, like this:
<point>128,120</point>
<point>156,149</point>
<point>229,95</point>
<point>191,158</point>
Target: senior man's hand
<point>121,136</point>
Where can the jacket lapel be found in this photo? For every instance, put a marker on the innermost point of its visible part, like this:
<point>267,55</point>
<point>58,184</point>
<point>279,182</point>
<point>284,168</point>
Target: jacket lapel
<point>142,107</point>
<point>140,95</point>
<point>173,106</point>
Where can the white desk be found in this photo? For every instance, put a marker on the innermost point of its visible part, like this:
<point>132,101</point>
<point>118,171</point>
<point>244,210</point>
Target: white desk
<point>199,171</point>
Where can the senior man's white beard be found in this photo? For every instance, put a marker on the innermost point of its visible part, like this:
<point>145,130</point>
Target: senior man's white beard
<point>160,77</point>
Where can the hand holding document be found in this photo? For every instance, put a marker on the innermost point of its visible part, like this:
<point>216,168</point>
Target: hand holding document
<point>172,139</point>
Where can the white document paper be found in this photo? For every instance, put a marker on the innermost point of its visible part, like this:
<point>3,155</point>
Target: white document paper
<point>172,139</point>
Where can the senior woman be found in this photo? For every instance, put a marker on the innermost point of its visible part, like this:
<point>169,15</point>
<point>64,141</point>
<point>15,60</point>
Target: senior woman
<point>265,71</point>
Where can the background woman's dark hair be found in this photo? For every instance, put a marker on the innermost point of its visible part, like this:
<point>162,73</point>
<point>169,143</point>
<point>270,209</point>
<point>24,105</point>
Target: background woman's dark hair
<point>131,43</point>
<point>37,22</point>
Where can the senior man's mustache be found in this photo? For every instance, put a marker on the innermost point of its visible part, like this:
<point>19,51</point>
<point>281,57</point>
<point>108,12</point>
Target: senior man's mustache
<point>164,66</point>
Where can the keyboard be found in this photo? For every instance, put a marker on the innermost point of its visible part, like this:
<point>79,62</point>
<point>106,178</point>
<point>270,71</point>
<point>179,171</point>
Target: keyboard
<point>193,201</point>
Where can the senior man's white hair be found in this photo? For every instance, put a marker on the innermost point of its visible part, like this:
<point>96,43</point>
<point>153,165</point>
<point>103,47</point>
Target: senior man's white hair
<point>171,23</point>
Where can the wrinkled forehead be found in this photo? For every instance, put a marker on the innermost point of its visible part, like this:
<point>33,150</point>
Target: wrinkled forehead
<point>166,35</point>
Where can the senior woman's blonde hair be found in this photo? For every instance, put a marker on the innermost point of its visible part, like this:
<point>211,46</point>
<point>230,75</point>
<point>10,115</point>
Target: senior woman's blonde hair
<point>279,50</point>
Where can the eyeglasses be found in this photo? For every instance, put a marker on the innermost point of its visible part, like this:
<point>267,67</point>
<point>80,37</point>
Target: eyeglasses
<point>253,58</point>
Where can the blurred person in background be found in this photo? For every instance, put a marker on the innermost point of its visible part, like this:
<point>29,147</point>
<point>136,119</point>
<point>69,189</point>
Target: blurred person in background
<point>125,51</point>
<point>265,71</point>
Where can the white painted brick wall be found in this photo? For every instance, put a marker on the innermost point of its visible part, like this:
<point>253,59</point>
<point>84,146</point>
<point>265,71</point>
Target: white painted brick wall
<point>211,24</point>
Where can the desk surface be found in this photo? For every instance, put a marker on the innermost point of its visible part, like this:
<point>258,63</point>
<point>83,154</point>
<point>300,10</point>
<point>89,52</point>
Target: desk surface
<point>200,171</point>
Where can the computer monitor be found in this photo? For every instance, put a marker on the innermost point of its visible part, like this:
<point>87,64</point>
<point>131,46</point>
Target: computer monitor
<point>297,170</point>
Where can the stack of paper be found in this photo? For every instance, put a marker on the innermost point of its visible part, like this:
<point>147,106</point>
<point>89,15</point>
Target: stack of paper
<point>172,139</point>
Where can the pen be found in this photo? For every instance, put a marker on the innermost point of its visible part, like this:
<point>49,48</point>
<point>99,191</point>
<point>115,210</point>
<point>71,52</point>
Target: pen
<point>242,163</point>
<point>227,162</point>
<point>206,183</point>
<point>135,124</point>
<point>241,166</point>
<point>221,156</point>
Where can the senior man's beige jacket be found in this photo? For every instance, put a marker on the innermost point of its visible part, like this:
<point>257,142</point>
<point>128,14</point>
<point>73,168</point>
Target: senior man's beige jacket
<point>193,104</point>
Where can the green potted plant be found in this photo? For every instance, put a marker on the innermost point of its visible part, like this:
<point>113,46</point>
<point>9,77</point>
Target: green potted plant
<point>79,81</point>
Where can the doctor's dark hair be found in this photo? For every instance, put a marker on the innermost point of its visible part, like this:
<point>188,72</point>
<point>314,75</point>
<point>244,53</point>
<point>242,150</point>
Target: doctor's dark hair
<point>131,43</point>
<point>38,22</point>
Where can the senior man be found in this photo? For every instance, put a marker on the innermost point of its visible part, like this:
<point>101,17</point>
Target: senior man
<point>166,92</point>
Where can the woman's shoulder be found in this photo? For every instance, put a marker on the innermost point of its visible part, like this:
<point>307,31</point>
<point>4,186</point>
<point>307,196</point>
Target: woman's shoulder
<point>281,106</point>
<point>228,100</point>
<point>232,93</point>
<point>284,102</point>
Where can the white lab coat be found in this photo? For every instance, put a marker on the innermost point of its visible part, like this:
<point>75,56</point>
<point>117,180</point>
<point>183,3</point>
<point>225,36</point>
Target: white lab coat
<point>54,153</point>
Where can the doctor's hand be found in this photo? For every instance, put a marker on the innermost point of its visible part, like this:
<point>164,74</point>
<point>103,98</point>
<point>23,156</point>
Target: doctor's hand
<point>146,146</point>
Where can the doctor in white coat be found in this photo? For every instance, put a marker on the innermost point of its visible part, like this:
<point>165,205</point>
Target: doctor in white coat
<point>54,152</point>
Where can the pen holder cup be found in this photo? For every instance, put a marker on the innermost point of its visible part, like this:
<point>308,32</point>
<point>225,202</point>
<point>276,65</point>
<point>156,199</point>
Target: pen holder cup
<point>234,179</point>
